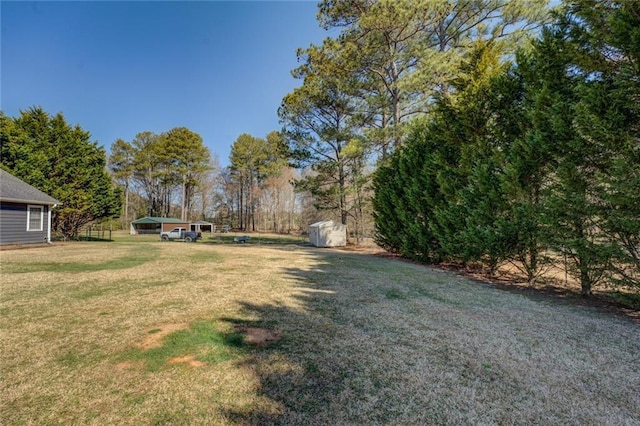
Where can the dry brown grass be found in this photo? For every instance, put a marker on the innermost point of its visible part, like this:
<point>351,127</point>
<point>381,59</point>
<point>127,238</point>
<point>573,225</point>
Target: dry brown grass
<point>347,338</point>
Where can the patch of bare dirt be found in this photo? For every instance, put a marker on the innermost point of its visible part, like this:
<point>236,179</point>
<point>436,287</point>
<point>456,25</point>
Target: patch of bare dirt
<point>156,334</point>
<point>258,336</point>
<point>187,359</point>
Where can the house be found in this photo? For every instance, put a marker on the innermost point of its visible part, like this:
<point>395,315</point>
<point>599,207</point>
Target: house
<point>25,212</point>
<point>328,233</point>
<point>156,225</point>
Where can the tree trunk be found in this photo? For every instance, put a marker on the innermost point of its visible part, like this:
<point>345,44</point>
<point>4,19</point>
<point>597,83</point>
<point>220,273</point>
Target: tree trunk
<point>240,206</point>
<point>126,204</point>
<point>585,282</point>
<point>183,204</point>
<point>342,202</point>
<point>532,270</point>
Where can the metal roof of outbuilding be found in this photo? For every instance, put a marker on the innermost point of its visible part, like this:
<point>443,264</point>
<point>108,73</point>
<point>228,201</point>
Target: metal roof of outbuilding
<point>151,219</point>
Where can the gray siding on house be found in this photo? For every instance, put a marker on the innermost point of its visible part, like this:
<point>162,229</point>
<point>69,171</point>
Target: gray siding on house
<point>13,224</point>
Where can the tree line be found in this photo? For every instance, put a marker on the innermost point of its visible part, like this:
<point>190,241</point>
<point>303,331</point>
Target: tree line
<point>490,131</point>
<point>155,174</point>
<point>172,174</point>
<point>254,163</point>
<point>162,169</point>
<point>361,90</point>
<point>534,161</point>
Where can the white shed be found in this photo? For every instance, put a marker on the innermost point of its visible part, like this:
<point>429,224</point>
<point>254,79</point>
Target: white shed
<point>328,234</point>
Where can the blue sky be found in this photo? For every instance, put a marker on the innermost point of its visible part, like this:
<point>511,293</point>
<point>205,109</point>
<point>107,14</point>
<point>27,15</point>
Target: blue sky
<point>120,68</point>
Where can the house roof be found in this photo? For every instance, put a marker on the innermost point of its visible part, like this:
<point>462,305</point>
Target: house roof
<point>15,190</point>
<point>150,219</point>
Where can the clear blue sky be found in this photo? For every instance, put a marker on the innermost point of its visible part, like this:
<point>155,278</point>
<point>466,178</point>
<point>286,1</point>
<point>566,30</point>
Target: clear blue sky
<point>120,68</point>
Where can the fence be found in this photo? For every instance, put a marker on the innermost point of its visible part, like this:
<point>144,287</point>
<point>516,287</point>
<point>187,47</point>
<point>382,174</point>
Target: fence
<point>95,233</point>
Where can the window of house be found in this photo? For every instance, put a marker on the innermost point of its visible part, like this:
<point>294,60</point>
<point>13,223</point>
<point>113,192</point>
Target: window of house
<point>35,218</point>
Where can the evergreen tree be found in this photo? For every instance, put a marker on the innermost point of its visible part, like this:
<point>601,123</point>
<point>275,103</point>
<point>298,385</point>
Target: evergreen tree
<point>248,157</point>
<point>188,156</point>
<point>63,162</point>
<point>573,226</point>
<point>120,163</point>
<point>150,176</point>
<point>403,52</point>
<point>470,127</point>
<point>406,194</point>
<point>527,167</point>
<point>605,39</point>
<point>321,125</point>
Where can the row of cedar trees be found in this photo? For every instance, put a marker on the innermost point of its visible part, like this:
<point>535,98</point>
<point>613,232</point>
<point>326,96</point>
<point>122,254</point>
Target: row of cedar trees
<point>530,161</point>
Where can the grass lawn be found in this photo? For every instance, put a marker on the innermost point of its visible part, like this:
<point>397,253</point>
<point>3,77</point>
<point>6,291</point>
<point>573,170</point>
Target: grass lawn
<point>138,331</point>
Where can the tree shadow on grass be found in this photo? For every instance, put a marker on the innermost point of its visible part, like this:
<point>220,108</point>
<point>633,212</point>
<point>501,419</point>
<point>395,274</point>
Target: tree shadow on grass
<point>302,372</point>
<point>368,343</point>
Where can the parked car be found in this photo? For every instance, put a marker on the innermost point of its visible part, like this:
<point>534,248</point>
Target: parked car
<point>180,234</point>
